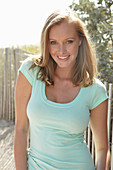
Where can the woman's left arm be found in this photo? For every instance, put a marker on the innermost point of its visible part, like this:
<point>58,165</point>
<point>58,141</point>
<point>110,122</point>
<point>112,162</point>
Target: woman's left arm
<point>98,122</point>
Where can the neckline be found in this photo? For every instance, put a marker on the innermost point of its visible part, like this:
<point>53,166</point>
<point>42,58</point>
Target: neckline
<point>43,94</point>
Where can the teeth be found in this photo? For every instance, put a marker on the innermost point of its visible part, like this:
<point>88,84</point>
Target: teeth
<point>63,57</point>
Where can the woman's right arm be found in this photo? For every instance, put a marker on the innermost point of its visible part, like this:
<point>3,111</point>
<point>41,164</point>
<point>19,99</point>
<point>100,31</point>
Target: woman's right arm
<point>22,96</point>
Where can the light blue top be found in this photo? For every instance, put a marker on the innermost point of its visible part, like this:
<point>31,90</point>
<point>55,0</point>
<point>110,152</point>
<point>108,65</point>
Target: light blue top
<point>57,130</point>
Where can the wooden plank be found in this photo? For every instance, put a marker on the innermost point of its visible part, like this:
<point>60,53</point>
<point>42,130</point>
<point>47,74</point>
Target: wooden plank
<point>105,83</point>
<point>85,135</point>
<point>0,98</point>
<point>109,110</point>
<point>2,90</point>
<point>15,77</point>
<point>112,146</point>
<point>7,84</point>
<point>10,89</point>
<point>93,149</point>
<point>1,84</point>
<point>15,67</point>
<point>16,63</point>
<point>5,101</point>
<point>89,136</point>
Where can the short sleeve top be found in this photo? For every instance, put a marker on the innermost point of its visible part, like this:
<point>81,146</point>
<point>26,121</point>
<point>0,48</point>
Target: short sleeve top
<point>56,129</point>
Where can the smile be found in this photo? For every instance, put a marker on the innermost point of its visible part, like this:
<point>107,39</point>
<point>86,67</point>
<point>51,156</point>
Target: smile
<point>63,58</point>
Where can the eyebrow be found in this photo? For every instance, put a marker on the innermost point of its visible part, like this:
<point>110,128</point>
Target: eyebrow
<point>65,39</point>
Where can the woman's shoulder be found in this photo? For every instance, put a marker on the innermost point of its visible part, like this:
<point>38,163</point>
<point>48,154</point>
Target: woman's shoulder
<point>28,62</point>
<point>98,85</point>
<point>97,88</point>
<point>98,82</point>
<point>29,69</point>
<point>97,93</point>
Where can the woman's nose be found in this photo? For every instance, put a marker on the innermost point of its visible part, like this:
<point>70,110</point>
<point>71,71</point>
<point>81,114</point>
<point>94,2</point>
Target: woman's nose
<point>62,48</point>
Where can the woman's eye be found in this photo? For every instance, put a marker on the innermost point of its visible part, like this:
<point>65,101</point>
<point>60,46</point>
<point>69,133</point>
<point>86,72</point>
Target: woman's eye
<point>69,41</point>
<point>53,42</point>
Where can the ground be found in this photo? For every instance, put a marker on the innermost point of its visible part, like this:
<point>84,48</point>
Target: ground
<point>6,145</point>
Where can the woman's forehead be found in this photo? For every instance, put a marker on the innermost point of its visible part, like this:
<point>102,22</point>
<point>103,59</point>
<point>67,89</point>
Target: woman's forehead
<point>63,29</point>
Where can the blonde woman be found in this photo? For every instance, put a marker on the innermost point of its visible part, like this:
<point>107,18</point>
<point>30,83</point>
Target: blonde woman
<point>56,96</point>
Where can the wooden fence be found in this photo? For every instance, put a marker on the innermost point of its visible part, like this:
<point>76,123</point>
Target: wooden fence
<point>10,61</point>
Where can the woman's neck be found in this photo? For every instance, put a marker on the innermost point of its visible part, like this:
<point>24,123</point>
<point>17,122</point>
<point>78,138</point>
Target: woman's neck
<point>63,74</point>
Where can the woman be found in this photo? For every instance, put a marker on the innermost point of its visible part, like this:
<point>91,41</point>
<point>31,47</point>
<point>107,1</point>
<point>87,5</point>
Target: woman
<point>56,96</point>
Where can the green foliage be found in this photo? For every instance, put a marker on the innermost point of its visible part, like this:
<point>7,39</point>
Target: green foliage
<point>31,49</point>
<point>98,19</point>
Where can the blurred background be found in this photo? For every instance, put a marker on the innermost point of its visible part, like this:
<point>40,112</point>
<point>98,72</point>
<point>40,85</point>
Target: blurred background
<point>22,20</point>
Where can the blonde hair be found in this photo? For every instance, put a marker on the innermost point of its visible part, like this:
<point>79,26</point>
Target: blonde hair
<point>85,67</point>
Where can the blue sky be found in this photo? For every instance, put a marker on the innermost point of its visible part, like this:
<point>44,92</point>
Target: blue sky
<point>22,20</point>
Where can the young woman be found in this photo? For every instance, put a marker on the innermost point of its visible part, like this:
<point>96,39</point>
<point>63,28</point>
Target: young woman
<point>56,96</point>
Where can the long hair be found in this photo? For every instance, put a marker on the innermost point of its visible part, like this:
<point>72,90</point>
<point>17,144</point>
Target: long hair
<point>85,67</point>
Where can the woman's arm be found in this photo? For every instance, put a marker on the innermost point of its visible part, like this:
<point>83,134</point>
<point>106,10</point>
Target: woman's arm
<point>22,96</point>
<point>98,122</point>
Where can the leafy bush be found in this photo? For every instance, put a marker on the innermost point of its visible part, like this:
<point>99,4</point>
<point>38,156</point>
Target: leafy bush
<point>99,21</point>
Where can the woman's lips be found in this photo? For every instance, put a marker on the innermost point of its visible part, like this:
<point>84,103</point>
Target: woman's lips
<point>63,58</point>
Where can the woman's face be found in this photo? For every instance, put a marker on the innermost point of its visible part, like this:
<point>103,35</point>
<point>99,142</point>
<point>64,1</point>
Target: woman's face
<point>63,44</point>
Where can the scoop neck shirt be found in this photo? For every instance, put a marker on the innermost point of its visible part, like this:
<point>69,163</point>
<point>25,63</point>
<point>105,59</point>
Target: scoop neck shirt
<point>57,129</point>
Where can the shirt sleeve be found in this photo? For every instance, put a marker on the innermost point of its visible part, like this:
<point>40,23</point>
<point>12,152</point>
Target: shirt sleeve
<point>24,68</point>
<point>98,95</point>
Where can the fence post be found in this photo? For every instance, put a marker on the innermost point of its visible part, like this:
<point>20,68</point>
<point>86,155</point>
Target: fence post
<point>17,54</point>
<point>1,84</point>
<point>105,83</point>
<point>5,97</point>
<point>10,88</point>
<point>112,145</point>
<point>93,149</point>
<point>89,136</point>
<point>109,110</point>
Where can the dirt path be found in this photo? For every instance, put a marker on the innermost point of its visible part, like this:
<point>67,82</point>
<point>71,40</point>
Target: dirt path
<point>6,145</point>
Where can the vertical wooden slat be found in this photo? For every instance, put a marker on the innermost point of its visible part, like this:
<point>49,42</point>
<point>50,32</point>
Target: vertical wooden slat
<point>2,79</point>
<point>2,89</point>
<point>105,83</point>
<point>93,148</point>
<point>85,135</point>
<point>89,136</point>
<point>10,89</point>
<point>112,146</point>
<point>109,110</point>
<point>14,81</point>
<point>7,86</point>
<point>0,99</point>
<point>17,54</point>
<point>16,63</point>
<point>5,101</point>
<point>0,85</point>
<point>15,66</point>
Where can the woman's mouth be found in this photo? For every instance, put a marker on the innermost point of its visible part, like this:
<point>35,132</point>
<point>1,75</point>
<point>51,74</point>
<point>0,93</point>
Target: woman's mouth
<point>63,58</point>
